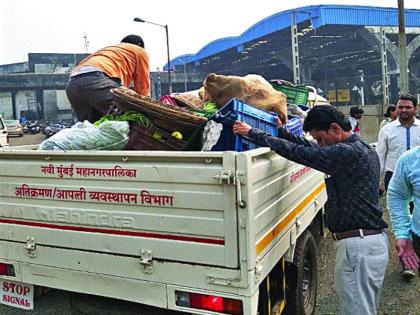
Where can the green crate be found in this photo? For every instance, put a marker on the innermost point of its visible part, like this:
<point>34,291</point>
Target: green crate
<point>297,95</point>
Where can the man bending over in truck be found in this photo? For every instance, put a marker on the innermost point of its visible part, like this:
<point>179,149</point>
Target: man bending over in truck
<point>88,89</point>
<point>353,214</point>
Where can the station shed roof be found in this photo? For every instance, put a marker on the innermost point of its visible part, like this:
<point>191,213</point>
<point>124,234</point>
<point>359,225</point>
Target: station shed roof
<point>319,15</point>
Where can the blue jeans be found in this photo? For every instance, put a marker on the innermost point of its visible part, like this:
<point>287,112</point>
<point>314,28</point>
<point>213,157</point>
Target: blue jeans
<point>359,273</point>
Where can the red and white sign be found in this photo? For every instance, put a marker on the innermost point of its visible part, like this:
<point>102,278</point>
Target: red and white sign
<point>17,294</point>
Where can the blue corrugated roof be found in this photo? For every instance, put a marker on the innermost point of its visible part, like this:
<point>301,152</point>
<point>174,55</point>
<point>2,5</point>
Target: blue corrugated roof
<point>320,15</point>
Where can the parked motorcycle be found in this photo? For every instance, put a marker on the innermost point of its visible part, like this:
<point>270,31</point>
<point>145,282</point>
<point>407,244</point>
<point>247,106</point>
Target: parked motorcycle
<point>53,128</point>
<point>33,127</point>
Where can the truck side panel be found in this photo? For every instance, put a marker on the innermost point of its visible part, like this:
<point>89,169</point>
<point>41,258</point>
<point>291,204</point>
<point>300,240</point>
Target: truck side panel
<point>278,193</point>
<point>176,207</point>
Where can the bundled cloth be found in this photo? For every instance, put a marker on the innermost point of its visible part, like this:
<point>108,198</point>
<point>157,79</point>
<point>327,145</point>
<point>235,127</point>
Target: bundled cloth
<point>252,89</point>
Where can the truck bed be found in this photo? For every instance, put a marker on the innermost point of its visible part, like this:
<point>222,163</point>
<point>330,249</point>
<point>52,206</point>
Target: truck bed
<point>141,225</point>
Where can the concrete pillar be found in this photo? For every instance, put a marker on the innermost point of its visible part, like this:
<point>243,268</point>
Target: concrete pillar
<point>14,104</point>
<point>40,103</point>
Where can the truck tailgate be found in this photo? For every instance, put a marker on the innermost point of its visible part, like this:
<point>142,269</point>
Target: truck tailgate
<point>171,204</point>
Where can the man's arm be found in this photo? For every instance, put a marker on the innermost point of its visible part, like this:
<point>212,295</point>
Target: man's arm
<point>382,149</point>
<point>398,197</point>
<point>324,159</point>
<point>286,135</point>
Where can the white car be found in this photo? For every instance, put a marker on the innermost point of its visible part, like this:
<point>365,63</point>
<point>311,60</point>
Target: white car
<point>13,127</point>
<point>4,140</point>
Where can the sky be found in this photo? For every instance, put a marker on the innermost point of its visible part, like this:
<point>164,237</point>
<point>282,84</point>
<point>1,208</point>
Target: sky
<point>54,26</point>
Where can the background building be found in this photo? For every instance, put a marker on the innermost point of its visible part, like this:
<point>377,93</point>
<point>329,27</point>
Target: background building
<point>36,88</point>
<point>349,53</point>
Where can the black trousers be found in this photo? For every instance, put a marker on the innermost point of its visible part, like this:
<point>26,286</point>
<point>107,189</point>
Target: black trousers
<point>416,245</point>
<point>387,178</point>
<point>90,94</point>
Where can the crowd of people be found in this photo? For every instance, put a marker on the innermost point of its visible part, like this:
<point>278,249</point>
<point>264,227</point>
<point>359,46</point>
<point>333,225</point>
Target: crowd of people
<point>353,170</point>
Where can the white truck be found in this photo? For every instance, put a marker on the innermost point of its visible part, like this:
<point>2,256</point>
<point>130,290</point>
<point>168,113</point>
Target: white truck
<point>198,232</point>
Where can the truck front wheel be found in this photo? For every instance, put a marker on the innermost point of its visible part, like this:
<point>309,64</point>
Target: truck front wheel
<point>302,278</point>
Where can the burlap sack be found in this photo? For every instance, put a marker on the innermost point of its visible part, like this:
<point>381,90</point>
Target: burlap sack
<point>251,89</point>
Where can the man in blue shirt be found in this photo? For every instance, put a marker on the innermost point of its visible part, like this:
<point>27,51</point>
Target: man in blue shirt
<point>403,187</point>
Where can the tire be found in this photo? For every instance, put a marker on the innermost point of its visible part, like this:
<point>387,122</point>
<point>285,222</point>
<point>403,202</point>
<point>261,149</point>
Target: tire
<point>302,277</point>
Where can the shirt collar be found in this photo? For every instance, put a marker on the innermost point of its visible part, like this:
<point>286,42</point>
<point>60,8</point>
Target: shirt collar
<point>354,137</point>
<point>398,123</point>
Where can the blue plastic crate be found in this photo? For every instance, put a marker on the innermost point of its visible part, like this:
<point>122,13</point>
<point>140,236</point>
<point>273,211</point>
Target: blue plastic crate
<point>238,110</point>
<point>294,125</point>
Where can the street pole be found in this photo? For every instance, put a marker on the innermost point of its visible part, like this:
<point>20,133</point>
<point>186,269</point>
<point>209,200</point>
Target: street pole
<point>159,87</point>
<point>362,87</point>
<point>295,50</point>
<point>384,66</point>
<point>402,41</point>
<point>185,75</point>
<point>169,61</point>
<point>136,19</point>
<point>185,78</point>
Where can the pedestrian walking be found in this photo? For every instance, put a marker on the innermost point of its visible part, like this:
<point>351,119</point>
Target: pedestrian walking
<point>404,187</point>
<point>394,139</point>
<point>398,136</point>
<point>390,115</point>
<point>355,116</point>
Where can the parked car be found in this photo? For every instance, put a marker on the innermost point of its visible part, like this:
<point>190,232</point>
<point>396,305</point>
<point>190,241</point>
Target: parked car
<point>14,127</point>
<point>4,140</point>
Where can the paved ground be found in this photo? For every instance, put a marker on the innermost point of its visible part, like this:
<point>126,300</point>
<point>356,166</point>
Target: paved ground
<point>26,139</point>
<point>398,296</point>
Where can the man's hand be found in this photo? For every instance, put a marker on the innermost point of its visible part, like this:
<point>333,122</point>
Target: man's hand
<point>279,122</point>
<point>241,128</point>
<point>407,254</point>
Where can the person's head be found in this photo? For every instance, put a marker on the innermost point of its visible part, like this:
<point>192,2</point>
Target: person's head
<point>406,107</point>
<point>327,125</point>
<point>391,112</point>
<point>356,112</point>
<point>133,39</point>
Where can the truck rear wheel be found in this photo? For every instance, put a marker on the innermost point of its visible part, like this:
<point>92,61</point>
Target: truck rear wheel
<point>302,278</point>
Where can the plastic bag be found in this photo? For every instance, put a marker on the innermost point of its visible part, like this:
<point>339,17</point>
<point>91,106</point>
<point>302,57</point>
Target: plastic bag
<point>110,135</point>
<point>211,134</point>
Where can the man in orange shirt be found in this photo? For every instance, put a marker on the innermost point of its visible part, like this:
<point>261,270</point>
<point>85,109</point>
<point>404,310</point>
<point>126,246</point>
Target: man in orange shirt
<point>92,80</point>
